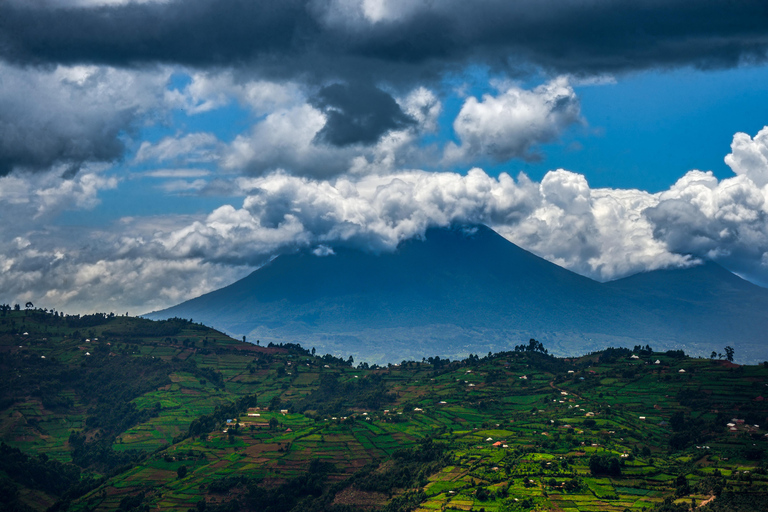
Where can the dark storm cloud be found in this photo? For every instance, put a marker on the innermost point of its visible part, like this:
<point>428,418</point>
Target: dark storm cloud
<point>194,32</point>
<point>69,117</point>
<point>334,38</point>
<point>359,113</point>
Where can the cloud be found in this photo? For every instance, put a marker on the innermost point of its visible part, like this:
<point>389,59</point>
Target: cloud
<point>177,173</point>
<point>749,157</point>
<point>511,124</point>
<point>207,91</point>
<point>31,200</point>
<point>602,233</point>
<point>358,113</point>
<point>188,149</point>
<point>725,221</point>
<point>70,115</point>
<point>293,138</point>
<point>387,39</point>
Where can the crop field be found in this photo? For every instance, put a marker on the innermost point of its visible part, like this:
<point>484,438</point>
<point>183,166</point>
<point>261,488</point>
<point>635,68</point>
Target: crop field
<point>172,416</point>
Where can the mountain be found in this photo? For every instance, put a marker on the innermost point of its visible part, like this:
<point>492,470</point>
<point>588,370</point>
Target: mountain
<point>468,290</point>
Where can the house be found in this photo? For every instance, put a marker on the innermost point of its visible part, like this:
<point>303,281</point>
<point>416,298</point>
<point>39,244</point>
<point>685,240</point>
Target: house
<point>497,443</point>
<point>681,371</point>
<point>589,414</point>
<point>657,362</point>
<point>642,418</point>
<point>634,356</point>
<point>283,411</point>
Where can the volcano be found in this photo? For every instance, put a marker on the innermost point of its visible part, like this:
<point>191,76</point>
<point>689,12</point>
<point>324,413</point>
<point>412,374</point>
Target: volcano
<point>466,289</point>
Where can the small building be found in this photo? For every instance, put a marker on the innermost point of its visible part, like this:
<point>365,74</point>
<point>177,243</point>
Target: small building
<point>657,362</point>
<point>680,371</point>
<point>634,356</point>
<point>283,411</point>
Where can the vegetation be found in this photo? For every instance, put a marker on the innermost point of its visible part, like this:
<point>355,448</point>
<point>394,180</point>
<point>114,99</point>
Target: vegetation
<point>104,412</point>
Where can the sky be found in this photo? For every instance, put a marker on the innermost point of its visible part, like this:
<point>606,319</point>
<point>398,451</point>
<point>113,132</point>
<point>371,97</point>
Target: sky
<point>155,150</point>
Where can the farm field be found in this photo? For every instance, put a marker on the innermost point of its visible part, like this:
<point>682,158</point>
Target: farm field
<point>103,413</point>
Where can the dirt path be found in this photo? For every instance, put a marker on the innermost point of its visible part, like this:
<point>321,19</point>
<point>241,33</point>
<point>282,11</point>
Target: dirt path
<point>706,502</point>
<point>570,393</point>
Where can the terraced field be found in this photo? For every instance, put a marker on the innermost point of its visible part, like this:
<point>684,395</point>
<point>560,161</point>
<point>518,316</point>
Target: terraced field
<point>207,422</point>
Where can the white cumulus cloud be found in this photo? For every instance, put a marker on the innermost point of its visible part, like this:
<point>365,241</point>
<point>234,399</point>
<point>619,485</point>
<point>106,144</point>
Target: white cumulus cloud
<point>513,123</point>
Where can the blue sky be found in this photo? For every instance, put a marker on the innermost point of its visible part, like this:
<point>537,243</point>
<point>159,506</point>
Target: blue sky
<point>641,130</point>
<point>138,170</point>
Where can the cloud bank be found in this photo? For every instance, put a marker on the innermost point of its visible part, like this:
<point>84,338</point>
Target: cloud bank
<point>599,232</point>
<point>387,38</point>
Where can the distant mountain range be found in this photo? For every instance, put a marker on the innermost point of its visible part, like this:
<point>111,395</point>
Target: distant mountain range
<point>468,290</point>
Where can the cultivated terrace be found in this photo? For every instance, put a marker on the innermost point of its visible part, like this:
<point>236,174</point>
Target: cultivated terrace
<point>104,412</point>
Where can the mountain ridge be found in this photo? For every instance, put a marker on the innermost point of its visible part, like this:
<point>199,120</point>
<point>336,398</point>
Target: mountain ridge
<point>467,289</point>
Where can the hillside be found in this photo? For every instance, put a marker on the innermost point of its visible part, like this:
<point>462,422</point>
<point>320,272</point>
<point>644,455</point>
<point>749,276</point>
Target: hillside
<point>467,289</point>
<point>116,413</point>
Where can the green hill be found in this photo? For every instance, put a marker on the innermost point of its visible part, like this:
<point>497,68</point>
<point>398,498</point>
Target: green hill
<point>102,412</point>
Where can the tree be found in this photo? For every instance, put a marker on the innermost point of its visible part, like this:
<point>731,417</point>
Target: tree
<point>182,471</point>
<point>729,353</point>
<point>273,423</point>
<point>713,355</point>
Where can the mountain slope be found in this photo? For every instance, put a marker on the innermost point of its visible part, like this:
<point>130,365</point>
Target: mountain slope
<point>467,289</point>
